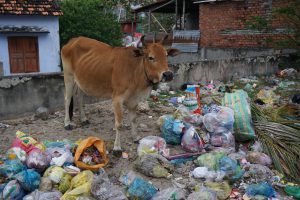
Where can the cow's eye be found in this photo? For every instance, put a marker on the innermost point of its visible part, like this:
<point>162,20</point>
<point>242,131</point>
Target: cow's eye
<point>151,58</point>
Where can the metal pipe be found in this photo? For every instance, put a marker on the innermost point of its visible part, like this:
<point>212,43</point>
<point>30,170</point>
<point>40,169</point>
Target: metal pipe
<point>176,13</point>
<point>183,15</point>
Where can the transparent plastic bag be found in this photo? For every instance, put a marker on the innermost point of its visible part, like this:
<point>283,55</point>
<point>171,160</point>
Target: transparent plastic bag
<point>55,173</point>
<point>184,114</point>
<point>258,158</point>
<point>170,193</point>
<point>210,160</point>
<point>37,160</point>
<point>152,145</point>
<point>59,156</point>
<point>203,193</point>
<point>103,189</point>
<point>191,141</point>
<point>222,189</point>
<point>203,172</point>
<point>225,139</point>
<point>39,195</point>
<point>231,168</point>
<point>219,122</point>
<point>127,178</point>
<point>18,152</point>
<point>45,184</point>
<point>154,165</point>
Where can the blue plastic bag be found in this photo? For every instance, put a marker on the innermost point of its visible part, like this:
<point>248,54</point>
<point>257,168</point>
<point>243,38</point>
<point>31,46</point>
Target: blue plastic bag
<point>264,189</point>
<point>13,191</point>
<point>172,130</point>
<point>11,167</point>
<point>29,179</point>
<point>141,190</point>
<point>231,168</point>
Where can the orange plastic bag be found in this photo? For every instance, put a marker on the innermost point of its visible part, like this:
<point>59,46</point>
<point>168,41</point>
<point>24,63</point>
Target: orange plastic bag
<point>99,144</point>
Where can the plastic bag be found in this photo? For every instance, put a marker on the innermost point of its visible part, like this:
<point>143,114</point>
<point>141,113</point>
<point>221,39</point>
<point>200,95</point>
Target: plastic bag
<point>152,145</point>
<point>103,189</point>
<point>11,167</point>
<point>209,160</point>
<point>64,144</point>
<point>264,189</point>
<point>259,172</point>
<point>59,156</point>
<point>80,186</point>
<point>45,184</point>
<point>18,152</point>
<point>154,165</point>
<point>203,193</point>
<point>29,179</point>
<point>170,193</point>
<point>65,183</point>
<point>141,190</point>
<point>268,96</point>
<point>171,130</point>
<point>99,144</point>
<point>37,160</point>
<point>185,115</point>
<point>55,173</point>
<point>127,178</point>
<point>191,141</point>
<point>293,191</point>
<point>203,172</point>
<point>13,190</point>
<point>243,127</point>
<point>231,168</point>
<point>26,142</point>
<point>259,158</point>
<point>225,139</point>
<point>222,189</point>
<point>39,195</point>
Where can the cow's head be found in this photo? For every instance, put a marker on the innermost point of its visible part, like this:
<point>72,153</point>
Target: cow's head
<point>156,60</point>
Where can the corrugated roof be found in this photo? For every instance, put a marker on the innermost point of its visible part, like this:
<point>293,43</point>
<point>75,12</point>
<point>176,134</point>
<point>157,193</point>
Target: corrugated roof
<point>30,7</point>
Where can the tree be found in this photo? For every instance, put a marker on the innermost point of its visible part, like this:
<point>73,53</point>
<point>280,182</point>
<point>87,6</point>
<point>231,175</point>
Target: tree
<point>89,18</point>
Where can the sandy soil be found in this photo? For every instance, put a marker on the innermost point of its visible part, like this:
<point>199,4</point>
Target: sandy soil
<point>101,119</point>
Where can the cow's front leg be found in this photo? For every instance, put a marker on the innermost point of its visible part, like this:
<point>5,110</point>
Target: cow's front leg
<point>132,117</point>
<point>69,86</point>
<point>117,105</point>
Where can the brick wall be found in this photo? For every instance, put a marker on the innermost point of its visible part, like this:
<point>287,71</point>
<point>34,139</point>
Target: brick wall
<point>223,24</point>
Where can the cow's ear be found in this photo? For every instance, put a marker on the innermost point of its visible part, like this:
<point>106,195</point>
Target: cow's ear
<point>173,52</point>
<point>138,52</point>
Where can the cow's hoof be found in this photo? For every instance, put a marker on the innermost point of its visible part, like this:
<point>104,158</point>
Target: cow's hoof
<point>85,123</point>
<point>117,153</point>
<point>68,127</point>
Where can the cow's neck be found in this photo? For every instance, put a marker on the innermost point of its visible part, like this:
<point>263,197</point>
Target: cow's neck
<point>149,82</point>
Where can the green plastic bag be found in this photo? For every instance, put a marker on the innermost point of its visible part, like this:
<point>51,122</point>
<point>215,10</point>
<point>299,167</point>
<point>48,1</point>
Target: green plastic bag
<point>293,191</point>
<point>238,101</point>
<point>222,189</point>
<point>210,160</point>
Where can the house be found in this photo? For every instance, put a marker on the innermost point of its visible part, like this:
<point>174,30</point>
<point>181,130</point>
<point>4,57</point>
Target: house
<point>218,24</point>
<point>29,36</point>
<point>216,40</point>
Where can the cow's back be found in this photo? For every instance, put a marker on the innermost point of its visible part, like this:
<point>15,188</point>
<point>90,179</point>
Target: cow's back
<point>91,64</point>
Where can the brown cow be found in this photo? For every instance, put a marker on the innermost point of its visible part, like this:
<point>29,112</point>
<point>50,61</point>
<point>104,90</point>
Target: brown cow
<point>124,74</point>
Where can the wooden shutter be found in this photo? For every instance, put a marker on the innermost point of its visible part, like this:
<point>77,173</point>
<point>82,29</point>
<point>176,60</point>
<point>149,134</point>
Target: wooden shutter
<point>23,54</point>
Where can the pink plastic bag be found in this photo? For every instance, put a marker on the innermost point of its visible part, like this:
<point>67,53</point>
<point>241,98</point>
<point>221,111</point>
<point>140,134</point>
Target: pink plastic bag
<point>18,143</point>
<point>191,141</point>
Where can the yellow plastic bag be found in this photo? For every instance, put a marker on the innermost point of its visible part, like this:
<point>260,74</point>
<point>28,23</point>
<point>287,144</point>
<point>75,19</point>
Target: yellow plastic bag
<point>99,144</point>
<point>80,186</point>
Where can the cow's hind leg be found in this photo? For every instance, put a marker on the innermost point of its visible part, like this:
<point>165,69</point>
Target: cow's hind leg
<point>117,105</point>
<point>83,119</point>
<point>69,87</point>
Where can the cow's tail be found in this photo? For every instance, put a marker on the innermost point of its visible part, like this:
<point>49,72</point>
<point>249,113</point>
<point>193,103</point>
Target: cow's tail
<point>71,107</point>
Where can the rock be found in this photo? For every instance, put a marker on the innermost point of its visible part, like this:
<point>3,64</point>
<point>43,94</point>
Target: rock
<point>143,107</point>
<point>42,113</point>
<point>143,128</point>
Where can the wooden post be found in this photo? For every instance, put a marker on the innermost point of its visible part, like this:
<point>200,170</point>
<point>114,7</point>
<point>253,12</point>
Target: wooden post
<point>176,13</point>
<point>149,21</point>
<point>183,15</point>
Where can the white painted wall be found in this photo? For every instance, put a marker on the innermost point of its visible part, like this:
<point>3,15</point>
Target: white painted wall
<point>49,49</point>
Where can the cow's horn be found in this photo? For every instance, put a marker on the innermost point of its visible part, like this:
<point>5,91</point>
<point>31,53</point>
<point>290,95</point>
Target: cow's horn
<point>164,38</point>
<point>142,40</point>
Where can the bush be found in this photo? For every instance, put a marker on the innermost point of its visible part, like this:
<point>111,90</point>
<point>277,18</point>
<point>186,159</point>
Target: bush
<point>88,18</point>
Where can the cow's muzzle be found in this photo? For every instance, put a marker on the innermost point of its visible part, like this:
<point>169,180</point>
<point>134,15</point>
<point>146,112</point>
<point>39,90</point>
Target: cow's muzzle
<point>167,76</point>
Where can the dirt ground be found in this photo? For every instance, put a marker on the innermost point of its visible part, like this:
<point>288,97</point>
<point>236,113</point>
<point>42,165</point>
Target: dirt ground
<point>101,119</point>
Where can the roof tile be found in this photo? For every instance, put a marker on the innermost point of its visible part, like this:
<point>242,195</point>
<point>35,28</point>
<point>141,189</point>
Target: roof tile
<point>30,7</point>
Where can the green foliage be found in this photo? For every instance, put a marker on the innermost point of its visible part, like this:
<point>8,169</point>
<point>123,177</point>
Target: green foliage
<point>258,23</point>
<point>88,18</point>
